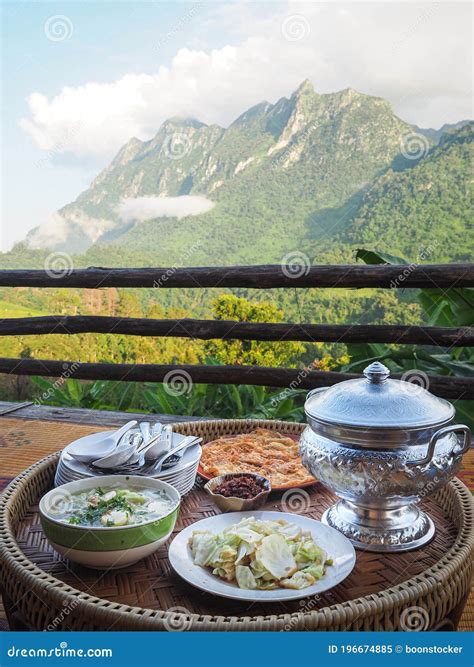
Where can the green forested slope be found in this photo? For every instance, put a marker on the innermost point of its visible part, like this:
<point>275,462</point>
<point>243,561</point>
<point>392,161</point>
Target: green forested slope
<point>425,210</point>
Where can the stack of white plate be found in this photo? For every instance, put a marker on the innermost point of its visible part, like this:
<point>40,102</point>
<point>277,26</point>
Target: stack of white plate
<point>182,475</point>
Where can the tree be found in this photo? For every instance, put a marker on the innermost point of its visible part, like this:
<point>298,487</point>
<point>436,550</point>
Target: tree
<point>231,307</point>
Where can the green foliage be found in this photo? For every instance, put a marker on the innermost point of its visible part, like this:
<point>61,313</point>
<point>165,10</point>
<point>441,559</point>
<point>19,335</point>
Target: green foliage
<point>227,401</point>
<point>203,400</point>
<point>451,308</point>
<point>324,306</point>
<point>98,395</point>
<point>372,257</point>
<point>251,352</point>
<point>424,211</point>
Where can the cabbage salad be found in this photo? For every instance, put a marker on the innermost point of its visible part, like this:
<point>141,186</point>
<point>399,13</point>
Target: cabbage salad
<point>261,555</point>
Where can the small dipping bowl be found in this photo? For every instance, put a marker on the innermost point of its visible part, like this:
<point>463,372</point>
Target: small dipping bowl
<point>233,503</point>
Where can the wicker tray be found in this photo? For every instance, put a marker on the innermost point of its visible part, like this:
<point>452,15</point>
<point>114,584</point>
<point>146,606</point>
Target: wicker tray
<point>47,592</point>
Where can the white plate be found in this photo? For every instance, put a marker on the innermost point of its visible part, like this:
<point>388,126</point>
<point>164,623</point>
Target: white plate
<point>64,471</point>
<point>332,541</point>
<point>182,481</point>
<point>182,476</point>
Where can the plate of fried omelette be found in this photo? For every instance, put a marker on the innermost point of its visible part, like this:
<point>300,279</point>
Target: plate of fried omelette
<point>268,453</point>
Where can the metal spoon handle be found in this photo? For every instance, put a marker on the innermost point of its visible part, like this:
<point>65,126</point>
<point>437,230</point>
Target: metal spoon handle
<point>145,446</point>
<point>183,445</point>
<point>167,434</point>
<point>126,427</point>
<point>122,432</point>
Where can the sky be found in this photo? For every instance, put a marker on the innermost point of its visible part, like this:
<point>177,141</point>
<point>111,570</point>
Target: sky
<point>79,79</point>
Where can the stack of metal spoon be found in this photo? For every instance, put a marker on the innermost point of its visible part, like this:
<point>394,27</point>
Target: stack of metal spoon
<point>132,449</point>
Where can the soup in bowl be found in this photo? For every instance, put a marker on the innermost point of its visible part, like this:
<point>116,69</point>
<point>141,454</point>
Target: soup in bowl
<point>110,521</point>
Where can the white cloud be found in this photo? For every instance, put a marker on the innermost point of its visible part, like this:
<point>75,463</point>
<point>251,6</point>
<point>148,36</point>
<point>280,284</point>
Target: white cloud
<point>59,230</point>
<point>414,54</point>
<point>139,209</point>
<point>52,232</point>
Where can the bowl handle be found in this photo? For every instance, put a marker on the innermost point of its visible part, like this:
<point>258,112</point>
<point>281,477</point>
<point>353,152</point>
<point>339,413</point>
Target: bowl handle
<point>454,428</point>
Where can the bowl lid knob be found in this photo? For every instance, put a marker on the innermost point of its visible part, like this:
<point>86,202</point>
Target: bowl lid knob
<point>376,373</point>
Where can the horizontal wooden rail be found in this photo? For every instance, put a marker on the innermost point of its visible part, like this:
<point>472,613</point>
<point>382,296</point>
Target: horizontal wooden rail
<point>228,330</point>
<point>447,387</point>
<point>255,277</point>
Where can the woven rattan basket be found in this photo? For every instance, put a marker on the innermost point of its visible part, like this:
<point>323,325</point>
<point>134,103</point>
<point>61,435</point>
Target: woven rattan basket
<point>44,601</point>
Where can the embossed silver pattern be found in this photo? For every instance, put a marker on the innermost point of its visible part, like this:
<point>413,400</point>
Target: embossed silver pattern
<point>418,532</point>
<point>380,475</point>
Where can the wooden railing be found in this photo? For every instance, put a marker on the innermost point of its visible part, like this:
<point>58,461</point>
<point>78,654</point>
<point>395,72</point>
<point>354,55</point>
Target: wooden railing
<point>267,276</point>
<point>435,276</point>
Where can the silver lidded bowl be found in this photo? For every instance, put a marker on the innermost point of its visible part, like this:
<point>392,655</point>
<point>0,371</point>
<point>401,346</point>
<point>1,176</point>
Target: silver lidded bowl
<point>382,446</point>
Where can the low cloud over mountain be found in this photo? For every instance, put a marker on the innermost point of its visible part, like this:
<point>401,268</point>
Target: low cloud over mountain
<point>138,209</point>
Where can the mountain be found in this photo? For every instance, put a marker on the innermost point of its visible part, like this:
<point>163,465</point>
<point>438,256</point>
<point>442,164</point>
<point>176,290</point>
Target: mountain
<point>311,173</point>
<point>436,135</point>
<point>424,211</point>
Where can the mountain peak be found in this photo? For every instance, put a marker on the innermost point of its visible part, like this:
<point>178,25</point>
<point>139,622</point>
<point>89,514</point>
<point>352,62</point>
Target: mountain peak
<point>128,151</point>
<point>257,111</point>
<point>304,88</point>
<point>183,121</point>
<point>308,154</point>
<point>350,92</point>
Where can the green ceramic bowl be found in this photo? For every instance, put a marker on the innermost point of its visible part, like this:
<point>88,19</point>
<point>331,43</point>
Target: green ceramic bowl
<point>104,547</point>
